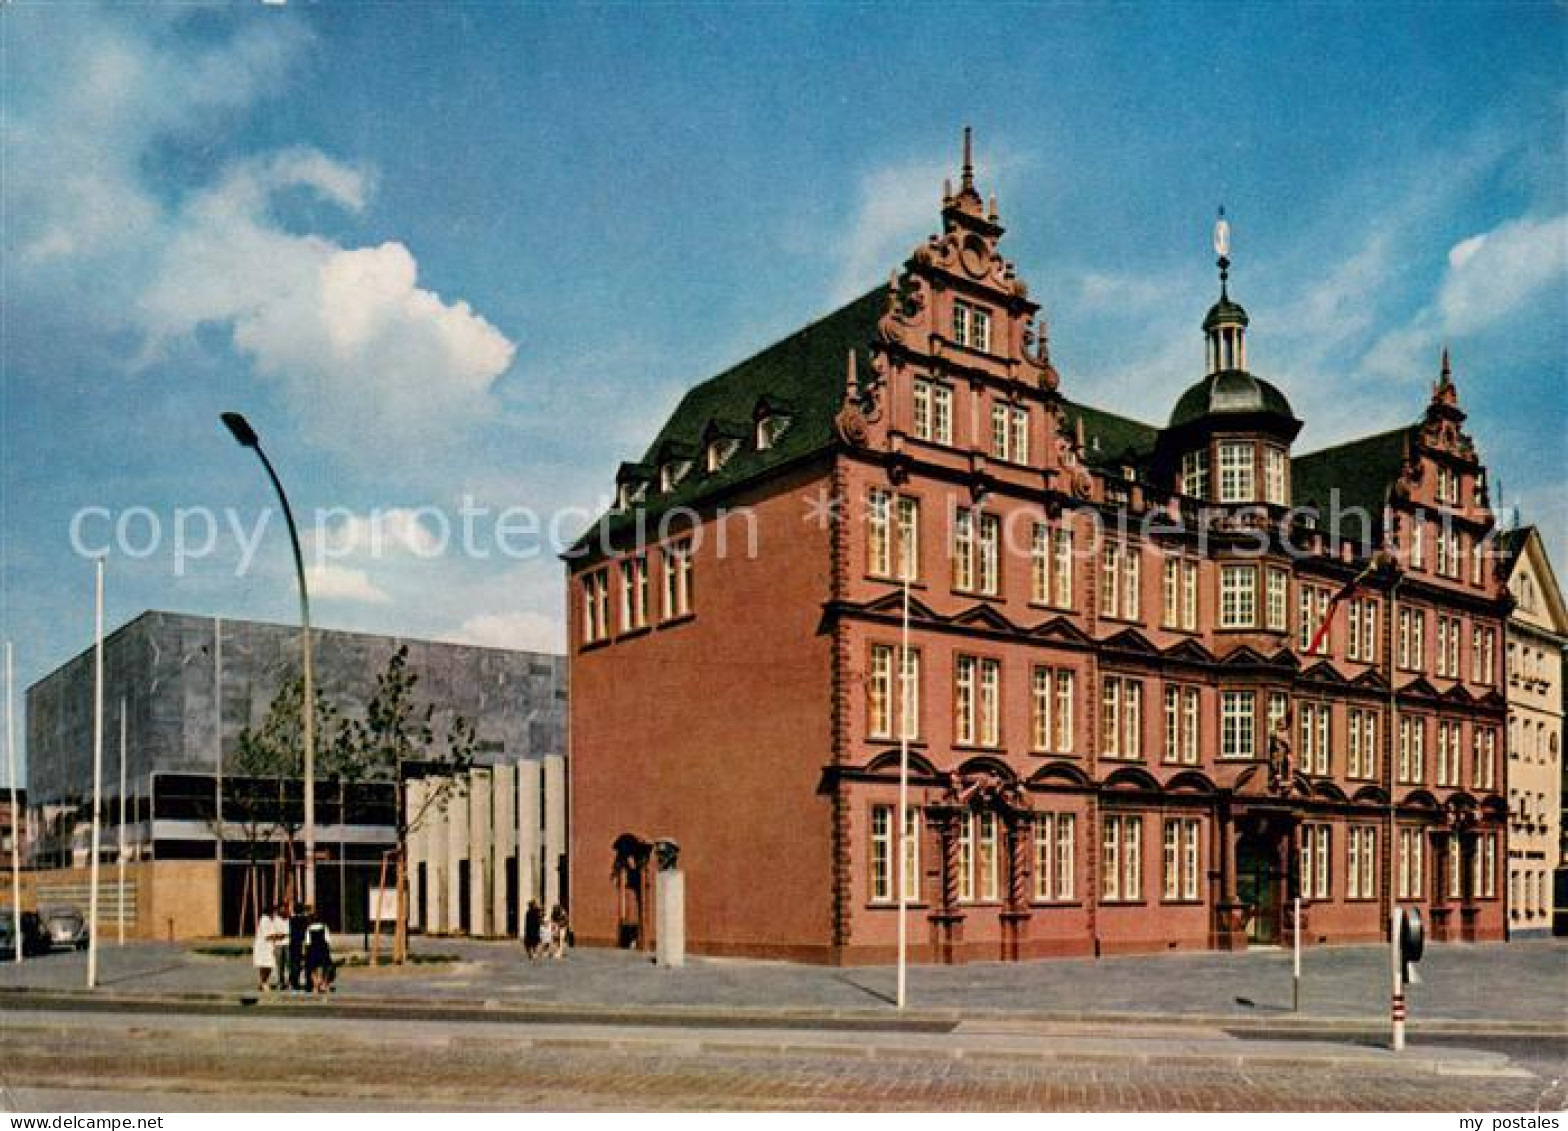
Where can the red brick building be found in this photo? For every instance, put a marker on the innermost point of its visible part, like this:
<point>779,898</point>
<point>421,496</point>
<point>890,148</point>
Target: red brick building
<point>1117,735</point>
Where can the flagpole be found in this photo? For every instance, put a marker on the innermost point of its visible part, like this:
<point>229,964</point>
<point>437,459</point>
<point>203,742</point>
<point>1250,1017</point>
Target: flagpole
<point>120,914</point>
<point>903,801</point>
<point>92,899</point>
<point>16,811</point>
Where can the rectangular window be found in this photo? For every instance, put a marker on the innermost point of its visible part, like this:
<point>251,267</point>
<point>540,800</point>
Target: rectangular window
<point>989,859</point>
<point>1053,856</point>
<point>1412,750</point>
<point>1448,739</point>
<point>908,546</point>
<point>1411,867</point>
<point>1361,862</point>
<point>933,412</point>
<point>1182,739</point>
<point>1484,759</point>
<point>1040,564</point>
<point>1179,587</point>
<point>1238,728</point>
<point>1180,871</point>
<point>1274,477</point>
<point>1313,861</point>
<point>1417,543</point>
<point>1485,882</point>
<point>986,548</point>
<point>1120,581</point>
<point>1311,612</point>
<point>879,533</point>
<point>977,701</point>
<point>885,701</point>
<point>1121,717</point>
<point>911,852</point>
<point>1362,643</point>
<point>972,326</point>
<point>1412,639</point>
<point>1237,483</point>
<point>1062,569</point>
<point>596,606</point>
<point>1121,864</point>
<point>1363,744</point>
<point>882,853</point>
<point>1278,606</point>
<point>1195,473</point>
<point>1315,729</point>
<point>1010,432</point>
<point>964,549</point>
<point>677,580</point>
<point>999,431</point>
<point>1483,655</point>
<point>1238,596</point>
<point>634,594</point>
<point>1052,704</point>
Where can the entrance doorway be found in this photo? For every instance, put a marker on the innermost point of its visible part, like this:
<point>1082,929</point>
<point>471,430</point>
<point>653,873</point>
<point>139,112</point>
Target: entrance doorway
<point>1258,886</point>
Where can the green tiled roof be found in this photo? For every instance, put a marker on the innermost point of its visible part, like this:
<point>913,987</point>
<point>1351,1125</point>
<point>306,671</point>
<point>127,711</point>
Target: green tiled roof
<point>801,376</point>
<point>1363,471</point>
<point>1111,440</point>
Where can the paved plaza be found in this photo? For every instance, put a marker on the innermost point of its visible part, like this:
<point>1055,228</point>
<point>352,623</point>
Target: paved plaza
<point>1521,983</point>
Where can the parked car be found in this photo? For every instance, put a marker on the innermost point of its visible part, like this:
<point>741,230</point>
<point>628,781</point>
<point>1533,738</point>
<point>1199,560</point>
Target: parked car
<point>35,936</point>
<point>67,927</point>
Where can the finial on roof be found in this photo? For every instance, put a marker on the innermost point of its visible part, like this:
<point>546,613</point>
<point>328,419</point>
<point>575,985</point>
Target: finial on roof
<point>969,165</point>
<point>852,380</point>
<point>1222,248</point>
<point>992,209</point>
<point>1444,391</point>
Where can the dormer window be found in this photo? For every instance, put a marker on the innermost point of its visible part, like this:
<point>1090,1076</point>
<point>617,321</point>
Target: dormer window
<point>629,494</point>
<point>719,453</point>
<point>769,429</point>
<point>972,326</point>
<point>671,474</point>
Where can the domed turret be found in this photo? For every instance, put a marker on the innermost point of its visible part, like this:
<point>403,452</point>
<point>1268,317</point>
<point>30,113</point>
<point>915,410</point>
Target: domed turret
<point>1230,419</point>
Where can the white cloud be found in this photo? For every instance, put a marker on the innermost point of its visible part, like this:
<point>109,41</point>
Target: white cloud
<point>339,583</point>
<point>366,357</point>
<point>529,632</point>
<point>1492,274</point>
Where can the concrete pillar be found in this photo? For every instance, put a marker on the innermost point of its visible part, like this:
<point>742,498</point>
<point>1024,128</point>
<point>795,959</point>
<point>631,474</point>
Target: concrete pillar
<point>503,820</point>
<point>670,897</point>
<point>418,852</point>
<point>481,839</point>
<point>530,817</point>
<point>457,851</point>
<point>554,827</point>
<point>438,851</point>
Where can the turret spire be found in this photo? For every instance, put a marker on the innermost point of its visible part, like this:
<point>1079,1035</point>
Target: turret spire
<point>1222,248</point>
<point>969,164</point>
<point>1225,326</point>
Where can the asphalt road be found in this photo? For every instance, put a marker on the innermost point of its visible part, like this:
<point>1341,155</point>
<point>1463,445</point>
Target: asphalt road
<point>178,1061</point>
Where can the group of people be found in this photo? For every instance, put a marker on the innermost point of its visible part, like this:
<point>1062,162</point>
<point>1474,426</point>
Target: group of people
<point>293,950</point>
<point>542,937</point>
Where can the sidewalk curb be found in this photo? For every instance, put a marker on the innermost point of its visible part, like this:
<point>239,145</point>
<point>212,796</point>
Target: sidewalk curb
<point>784,1017</point>
<point>1349,1059</point>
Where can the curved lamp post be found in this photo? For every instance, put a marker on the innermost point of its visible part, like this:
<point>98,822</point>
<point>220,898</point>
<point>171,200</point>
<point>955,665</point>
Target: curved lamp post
<point>242,432</point>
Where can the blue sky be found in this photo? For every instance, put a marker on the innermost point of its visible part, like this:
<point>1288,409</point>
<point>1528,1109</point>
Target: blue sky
<point>437,252</point>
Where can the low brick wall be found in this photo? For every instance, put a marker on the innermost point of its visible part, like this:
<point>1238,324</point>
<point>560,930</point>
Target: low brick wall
<point>164,899</point>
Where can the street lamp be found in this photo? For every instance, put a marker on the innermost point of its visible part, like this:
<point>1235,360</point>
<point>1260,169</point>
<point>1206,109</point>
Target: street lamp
<point>246,436</point>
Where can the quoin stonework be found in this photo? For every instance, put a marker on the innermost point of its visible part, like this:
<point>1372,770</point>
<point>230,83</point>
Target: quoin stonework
<point>1153,681</point>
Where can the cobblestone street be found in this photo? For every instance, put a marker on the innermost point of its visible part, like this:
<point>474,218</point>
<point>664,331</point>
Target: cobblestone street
<point>588,1077</point>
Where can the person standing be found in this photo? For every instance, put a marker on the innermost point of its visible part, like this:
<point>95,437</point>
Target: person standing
<point>298,922</point>
<point>318,956</point>
<point>263,951</point>
<point>533,929</point>
<point>558,931</point>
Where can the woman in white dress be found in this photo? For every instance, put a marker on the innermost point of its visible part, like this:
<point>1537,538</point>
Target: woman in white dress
<point>261,948</point>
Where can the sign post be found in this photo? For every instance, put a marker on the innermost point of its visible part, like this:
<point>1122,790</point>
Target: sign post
<point>1295,947</point>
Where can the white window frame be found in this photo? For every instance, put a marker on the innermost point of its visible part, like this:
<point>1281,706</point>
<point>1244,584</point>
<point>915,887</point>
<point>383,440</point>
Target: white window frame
<point>1238,725</point>
<point>1238,596</point>
<point>1238,471</point>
